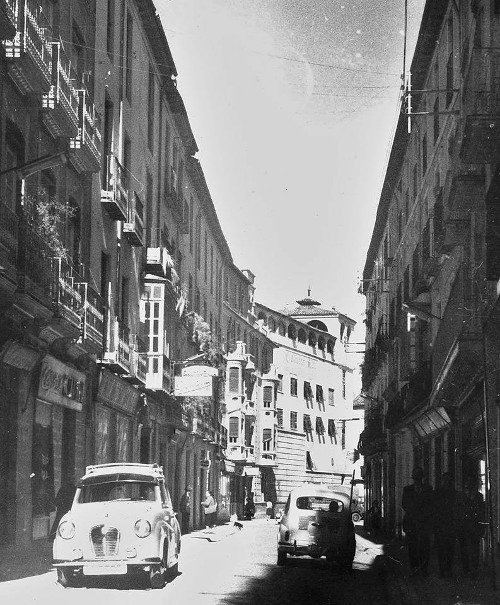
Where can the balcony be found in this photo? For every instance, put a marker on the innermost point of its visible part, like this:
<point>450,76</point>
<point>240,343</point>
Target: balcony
<point>466,191</point>
<point>114,192</point>
<point>9,241</point>
<point>236,452</point>
<point>158,373</point>
<point>117,351</point>
<point>133,230</point>
<point>93,317</point>
<point>138,362</point>
<point>29,52</point>
<point>159,262</point>
<point>250,454</point>
<point>61,102</point>
<point>85,147</point>
<point>8,19</point>
<point>36,267</point>
<point>457,355</point>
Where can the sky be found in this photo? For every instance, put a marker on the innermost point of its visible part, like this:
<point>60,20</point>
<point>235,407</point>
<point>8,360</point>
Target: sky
<point>293,105</point>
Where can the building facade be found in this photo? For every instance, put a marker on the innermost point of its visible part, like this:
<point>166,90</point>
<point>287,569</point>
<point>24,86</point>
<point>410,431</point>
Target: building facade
<point>430,279</point>
<point>316,429</point>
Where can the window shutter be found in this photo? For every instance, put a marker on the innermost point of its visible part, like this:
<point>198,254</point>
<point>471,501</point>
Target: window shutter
<point>234,380</point>
<point>320,427</point>
<point>307,424</point>
<point>267,435</point>
<point>233,427</point>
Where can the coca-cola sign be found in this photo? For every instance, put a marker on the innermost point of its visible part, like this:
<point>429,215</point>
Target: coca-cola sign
<point>61,384</point>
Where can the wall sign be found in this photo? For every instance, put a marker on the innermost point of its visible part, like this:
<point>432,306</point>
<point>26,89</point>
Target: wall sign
<point>61,384</point>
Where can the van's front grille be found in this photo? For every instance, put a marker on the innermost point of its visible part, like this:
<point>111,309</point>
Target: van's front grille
<point>105,540</point>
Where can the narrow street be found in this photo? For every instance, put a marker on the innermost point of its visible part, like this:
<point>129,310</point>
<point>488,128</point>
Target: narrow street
<point>228,567</point>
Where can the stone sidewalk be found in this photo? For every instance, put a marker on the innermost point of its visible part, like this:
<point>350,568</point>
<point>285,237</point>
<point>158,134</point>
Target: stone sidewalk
<point>431,590</point>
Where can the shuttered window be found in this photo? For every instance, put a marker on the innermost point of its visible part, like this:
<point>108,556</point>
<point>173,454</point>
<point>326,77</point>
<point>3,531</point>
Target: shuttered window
<point>234,380</point>
<point>233,429</point>
<point>319,393</point>
<point>320,427</point>
<point>268,396</point>
<point>307,424</point>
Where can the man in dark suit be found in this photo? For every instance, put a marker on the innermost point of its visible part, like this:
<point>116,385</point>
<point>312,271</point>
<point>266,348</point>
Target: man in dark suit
<point>417,505</point>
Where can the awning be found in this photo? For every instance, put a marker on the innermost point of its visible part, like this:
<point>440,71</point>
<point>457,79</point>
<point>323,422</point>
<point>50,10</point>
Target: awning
<point>18,356</point>
<point>432,421</point>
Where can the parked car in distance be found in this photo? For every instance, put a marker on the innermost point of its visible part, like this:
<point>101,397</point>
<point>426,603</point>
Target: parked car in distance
<point>317,522</point>
<point>121,521</point>
<point>357,510</point>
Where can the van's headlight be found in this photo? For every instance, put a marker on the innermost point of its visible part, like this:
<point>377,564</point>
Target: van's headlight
<point>66,530</point>
<point>142,528</point>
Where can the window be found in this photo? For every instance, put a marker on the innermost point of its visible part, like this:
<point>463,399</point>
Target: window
<point>268,396</point>
<point>344,384</point>
<point>320,427</point>
<point>307,424</point>
<point>424,155</point>
<point>331,396</point>
<point>308,394</point>
<point>128,59</point>
<point>435,119</point>
<point>319,393</point>
<point>293,386</point>
<point>110,27</point>
<point>309,462</point>
<point>267,439</point>
<point>280,383</point>
<point>151,108</point>
<point>279,417</point>
<point>234,380</point>
<point>293,421</point>
<point>233,429</point>
<point>332,430</point>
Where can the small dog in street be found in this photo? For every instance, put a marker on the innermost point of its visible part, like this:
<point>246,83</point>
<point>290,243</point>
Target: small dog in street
<point>238,525</point>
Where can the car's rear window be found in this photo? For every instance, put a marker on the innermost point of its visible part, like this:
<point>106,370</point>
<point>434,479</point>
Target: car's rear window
<point>322,503</point>
<point>107,491</point>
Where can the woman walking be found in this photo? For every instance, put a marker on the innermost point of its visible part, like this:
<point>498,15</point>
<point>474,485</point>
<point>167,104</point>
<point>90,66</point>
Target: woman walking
<point>210,507</point>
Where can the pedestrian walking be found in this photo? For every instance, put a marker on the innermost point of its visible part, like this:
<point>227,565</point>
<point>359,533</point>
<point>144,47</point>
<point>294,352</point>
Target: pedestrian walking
<point>469,516</point>
<point>374,518</point>
<point>64,501</point>
<point>417,506</point>
<point>269,510</point>
<point>210,507</point>
<point>444,527</point>
<point>185,508</point>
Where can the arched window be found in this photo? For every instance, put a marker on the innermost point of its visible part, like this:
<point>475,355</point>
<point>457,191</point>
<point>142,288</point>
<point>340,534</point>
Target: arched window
<point>263,317</point>
<point>292,332</point>
<point>271,324</point>
<point>329,347</point>
<point>282,329</point>
<point>312,339</point>
<point>302,336</point>
<point>321,343</point>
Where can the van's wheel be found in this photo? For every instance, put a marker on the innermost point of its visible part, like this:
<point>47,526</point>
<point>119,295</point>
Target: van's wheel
<point>66,578</point>
<point>158,573</point>
<point>281,557</point>
<point>356,517</point>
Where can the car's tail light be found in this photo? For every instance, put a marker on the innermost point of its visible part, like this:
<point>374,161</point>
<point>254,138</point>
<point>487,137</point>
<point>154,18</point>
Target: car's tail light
<point>142,528</point>
<point>66,530</point>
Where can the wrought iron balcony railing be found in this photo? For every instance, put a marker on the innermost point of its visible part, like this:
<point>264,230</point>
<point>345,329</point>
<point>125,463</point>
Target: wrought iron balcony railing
<point>29,52</point>
<point>61,102</point>
<point>85,147</point>
<point>8,19</point>
<point>114,190</point>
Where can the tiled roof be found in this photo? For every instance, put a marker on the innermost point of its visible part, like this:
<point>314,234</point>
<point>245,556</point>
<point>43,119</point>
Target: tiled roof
<point>308,307</point>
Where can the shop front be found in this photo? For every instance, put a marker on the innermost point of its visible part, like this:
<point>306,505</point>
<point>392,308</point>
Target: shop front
<point>115,419</point>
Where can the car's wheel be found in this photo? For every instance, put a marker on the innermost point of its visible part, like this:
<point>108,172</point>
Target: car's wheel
<point>157,576</point>
<point>172,572</point>
<point>356,517</point>
<point>66,578</point>
<point>281,557</point>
